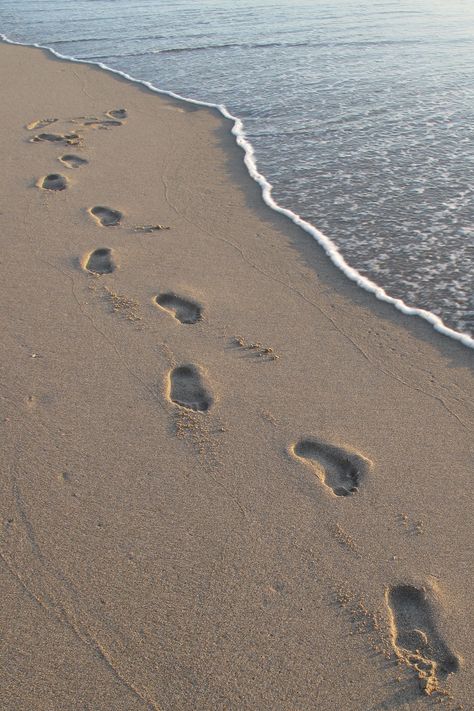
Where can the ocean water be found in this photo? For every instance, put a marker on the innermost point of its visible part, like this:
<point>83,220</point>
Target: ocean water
<point>360,113</point>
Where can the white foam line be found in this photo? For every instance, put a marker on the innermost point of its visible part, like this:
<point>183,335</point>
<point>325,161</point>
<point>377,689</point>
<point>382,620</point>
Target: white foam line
<point>249,159</point>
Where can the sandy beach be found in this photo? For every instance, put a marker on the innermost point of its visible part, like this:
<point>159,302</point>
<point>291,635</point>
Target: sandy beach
<point>231,479</point>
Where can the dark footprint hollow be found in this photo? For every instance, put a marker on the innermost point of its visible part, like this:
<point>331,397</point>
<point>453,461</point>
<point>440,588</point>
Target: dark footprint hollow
<point>338,469</point>
<point>117,113</point>
<point>187,389</point>
<point>100,261</point>
<point>49,137</point>
<point>106,216</point>
<point>54,137</point>
<point>415,631</point>
<point>102,122</point>
<point>73,161</point>
<point>184,310</point>
<point>54,181</point>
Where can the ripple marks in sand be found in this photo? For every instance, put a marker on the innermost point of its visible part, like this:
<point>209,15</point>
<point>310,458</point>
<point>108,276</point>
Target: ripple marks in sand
<point>339,470</point>
<point>100,261</point>
<point>53,181</point>
<point>188,389</point>
<point>415,636</point>
<point>105,216</point>
<point>72,161</point>
<point>183,310</point>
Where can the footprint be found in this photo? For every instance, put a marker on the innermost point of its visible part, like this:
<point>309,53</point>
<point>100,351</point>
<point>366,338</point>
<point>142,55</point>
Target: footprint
<point>40,123</point>
<point>341,471</point>
<point>72,161</point>
<point>53,181</point>
<point>100,261</point>
<point>414,633</point>
<point>106,216</point>
<point>117,114</point>
<point>182,309</point>
<point>55,138</point>
<point>188,390</point>
<point>50,137</point>
<point>102,123</point>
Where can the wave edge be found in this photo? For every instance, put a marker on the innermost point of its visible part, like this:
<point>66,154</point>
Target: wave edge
<point>250,162</point>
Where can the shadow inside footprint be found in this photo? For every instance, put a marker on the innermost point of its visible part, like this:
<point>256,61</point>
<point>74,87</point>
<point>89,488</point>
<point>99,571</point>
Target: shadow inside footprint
<point>184,310</point>
<point>100,261</point>
<point>49,137</point>
<point>339,470</point>
<point>117,113</point>
<point>188,390</point>
<point>106,216</point>
<point>55,137</point>
<point>98,123</point>
<point>73,161</point>
<point>415,636</point>
<point>53,181</point>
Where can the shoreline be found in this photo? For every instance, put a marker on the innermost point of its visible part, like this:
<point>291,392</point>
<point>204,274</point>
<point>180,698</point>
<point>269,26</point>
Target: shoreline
<point>330,248</point>
<point>232,478</point>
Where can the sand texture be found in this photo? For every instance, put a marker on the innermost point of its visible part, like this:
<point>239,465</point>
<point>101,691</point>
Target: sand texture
<point>230,479</point>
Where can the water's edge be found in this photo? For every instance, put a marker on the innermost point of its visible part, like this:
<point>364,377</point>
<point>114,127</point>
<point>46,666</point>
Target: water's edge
<point>251,164</point>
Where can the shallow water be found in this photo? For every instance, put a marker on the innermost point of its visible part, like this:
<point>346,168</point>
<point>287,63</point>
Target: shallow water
<point>360,113</point>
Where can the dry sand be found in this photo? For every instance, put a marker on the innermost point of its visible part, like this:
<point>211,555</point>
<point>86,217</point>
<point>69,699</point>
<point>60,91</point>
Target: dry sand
<point>302,540</point>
